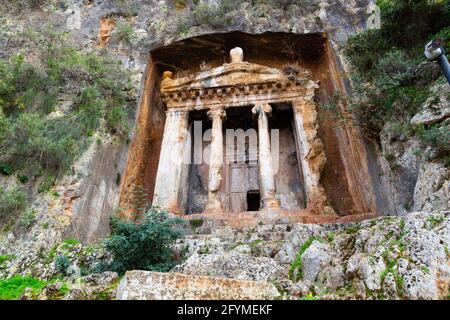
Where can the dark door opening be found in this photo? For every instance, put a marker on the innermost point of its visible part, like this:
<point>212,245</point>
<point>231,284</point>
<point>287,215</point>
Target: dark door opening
<point>253,200</point>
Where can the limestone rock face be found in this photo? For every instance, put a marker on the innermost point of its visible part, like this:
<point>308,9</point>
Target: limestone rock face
<point>391,257</point>
<point>436,108</point>
<point>396,258</point>
<point>238,264</point>
<point>432,190</point>
<point>314,259</point>
<point>145,285</point>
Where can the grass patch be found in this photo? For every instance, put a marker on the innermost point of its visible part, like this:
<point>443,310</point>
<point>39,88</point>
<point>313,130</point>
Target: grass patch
<point>196,223</point>
<point>435,219</point>
<point>71,241</point>
<point>296,269</point>
<point>12,288</point>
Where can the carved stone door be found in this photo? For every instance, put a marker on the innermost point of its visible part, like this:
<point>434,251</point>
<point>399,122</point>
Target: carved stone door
<point>244,187</point>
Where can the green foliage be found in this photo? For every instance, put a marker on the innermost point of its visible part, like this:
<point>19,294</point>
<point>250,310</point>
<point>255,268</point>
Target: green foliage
<point>437,136</point>
<point>406,25</point>
<point>295,271</point>
<point>26,4</point>
<point>434,219</point>
<point>310,296</point>
<point>36,137</point>
<point>211,15</point>
<point>127,8</point>
<point>388,85</point>
<point>46,184</point>
<point>124,33</point>
<point>12,200</point>
<point>143,244</point>
<point>6,169</point>
<point>71,241</point>
<point>217,15</point>
<point>4,258</point>
<point>12,288</point>
<point>196,223</point>
<point>62,264</point>
<point>28,218</point>
<point>444,34</point>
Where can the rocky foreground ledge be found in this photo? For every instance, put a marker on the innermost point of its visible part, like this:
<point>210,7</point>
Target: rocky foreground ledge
<point>385,258</point>
<point>389,257</point>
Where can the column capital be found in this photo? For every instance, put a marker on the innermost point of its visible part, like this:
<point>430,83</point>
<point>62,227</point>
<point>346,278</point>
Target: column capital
<point>176,112</point>
<point>266,108</point>
<point>217,113</point>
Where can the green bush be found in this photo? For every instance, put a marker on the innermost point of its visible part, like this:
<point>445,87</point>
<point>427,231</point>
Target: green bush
<point>34,142</point>
<point>124,33</point>
<point>12,200</point>
<point>406,25</point>
<point>436,136</point>
<point>144,244</point>
<point>62,264</point>
<point>387,84</point>
<point>28,218</point>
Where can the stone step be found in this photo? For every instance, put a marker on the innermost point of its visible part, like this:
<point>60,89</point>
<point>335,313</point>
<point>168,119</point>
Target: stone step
<point>148,285</point>
<point>219,220</point>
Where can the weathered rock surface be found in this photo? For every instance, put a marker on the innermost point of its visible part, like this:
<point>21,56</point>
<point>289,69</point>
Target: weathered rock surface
<point>146,285</point>
<point>436,108</point>
<point>385,258</point>
<point>432,190</point>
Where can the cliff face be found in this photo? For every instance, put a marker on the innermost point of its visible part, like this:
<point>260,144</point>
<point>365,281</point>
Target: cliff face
<point>128,31</point>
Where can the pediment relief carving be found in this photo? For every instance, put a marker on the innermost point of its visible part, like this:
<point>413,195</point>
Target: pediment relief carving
<point>232,80</point>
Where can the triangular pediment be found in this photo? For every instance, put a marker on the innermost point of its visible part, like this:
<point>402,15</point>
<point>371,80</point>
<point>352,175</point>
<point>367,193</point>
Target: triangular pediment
<point>227,75</point>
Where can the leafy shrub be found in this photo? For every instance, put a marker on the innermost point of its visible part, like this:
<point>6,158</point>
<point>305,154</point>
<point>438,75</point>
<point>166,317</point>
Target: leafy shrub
<point>33,142</point>
<point>407,24</point>
<point>11,201</point>
<point>388,86</point>
<point>394,69</point>
<point>143,244</point>
<point>27,218</point>
<point>124,33</point>
<point>127,8</point>
<point>438,137</point>
<point>62,264</point>
<point>27,4</point>
<point>215,16</point>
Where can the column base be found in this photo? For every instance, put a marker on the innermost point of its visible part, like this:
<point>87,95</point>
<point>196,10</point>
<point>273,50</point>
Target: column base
<point>270,203</point>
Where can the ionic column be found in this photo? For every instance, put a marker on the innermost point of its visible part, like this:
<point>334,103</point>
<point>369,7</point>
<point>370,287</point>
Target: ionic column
<point>310,153</point>
<point>266,174</point>
<point>169,178</point>
<point>215,160</point>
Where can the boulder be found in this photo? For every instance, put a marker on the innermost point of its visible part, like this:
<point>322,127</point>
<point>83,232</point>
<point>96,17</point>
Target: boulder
<point>436,108</point>
<point>147,285</point>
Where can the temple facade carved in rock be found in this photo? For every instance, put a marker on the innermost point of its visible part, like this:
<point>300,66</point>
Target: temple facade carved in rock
<point>271,114</point>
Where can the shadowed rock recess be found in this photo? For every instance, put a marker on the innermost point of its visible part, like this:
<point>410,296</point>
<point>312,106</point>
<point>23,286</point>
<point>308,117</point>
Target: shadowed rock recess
<point>237,119</point>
